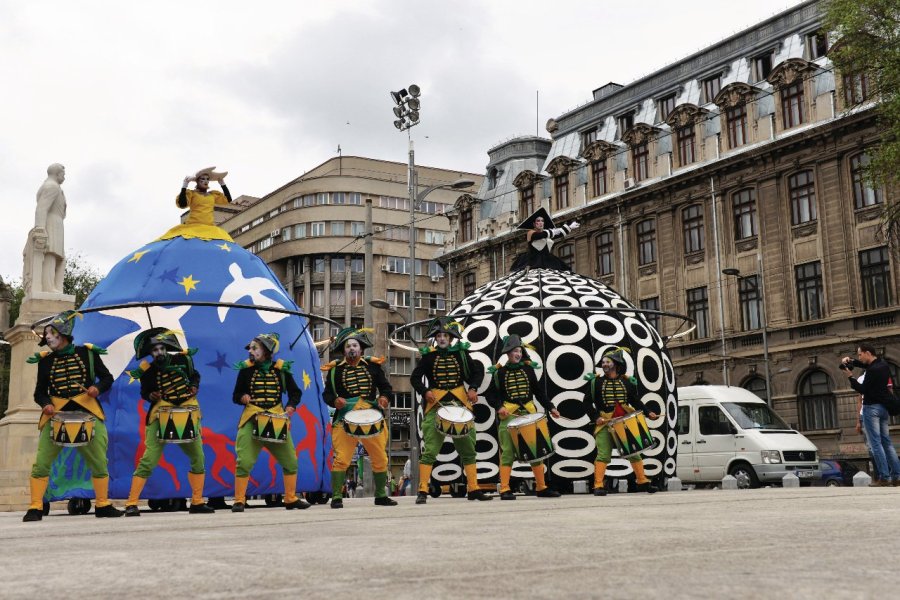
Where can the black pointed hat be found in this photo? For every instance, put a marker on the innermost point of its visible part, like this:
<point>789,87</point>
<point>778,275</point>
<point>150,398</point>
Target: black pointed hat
<point>148,338</point>
<point>540,212</point>
<point>448,325</point>
<point>63,323</point>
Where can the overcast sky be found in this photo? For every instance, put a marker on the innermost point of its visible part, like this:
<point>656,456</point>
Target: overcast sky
<point>131,97</point>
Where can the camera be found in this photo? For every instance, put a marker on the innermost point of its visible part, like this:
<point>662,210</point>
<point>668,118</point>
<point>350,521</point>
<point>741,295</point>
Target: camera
<point>845,367</point>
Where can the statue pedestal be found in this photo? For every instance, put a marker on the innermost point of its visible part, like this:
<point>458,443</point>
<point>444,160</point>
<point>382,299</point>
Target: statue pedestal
<point>18,427</point>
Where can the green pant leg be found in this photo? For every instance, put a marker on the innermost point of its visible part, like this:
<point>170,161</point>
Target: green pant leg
<point>507,449</point>
<point>153,450</point>
<point>285,454</point>
<point>434,439</point>
<point>465,446</point>
<point>46,453</point>
<point>194,451</point>
<point>94,453</point>
<point>604,445</point>
<point>247,450</point>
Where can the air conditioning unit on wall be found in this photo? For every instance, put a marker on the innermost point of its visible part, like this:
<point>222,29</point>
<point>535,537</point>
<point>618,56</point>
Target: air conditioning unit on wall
<point>629,183</point>
<point>435,278</point>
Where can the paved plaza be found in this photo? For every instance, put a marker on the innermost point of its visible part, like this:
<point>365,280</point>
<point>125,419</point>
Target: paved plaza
<point>766,543</point>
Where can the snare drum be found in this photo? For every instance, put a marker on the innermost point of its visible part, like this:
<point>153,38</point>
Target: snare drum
<point>454,421</point>
<point>270,427</point>
<point>364,423</point>
<point>178,424</point>
<point>630,434</point>
<point>72,428</point>
<point>531,437</point>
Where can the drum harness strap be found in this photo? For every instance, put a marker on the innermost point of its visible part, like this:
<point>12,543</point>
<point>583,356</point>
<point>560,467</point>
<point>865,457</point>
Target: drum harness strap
<point>85,401</point>
<point>257,406</point>
<point>458,393</point>
<point>592,378</point>
<point>351,402</point>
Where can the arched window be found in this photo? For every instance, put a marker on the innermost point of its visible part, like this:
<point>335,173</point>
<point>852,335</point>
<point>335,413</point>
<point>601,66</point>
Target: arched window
<point>757,385</point>
<point>816,404</point>
<point>493,176</point>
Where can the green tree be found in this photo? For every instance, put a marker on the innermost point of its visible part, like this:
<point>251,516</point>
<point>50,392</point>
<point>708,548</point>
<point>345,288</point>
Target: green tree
<point>868,42</point>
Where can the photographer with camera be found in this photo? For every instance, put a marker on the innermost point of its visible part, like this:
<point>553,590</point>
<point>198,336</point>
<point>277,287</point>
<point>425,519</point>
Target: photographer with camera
<point>875,418</point>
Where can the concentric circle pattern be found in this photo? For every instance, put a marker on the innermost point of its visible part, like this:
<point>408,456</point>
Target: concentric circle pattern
<point>571,319</point>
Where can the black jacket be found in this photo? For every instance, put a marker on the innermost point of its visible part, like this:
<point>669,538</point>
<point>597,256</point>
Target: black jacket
<point>286,383</point>
<point>421,378</point>
<point>101,377</point>
<point>874,388</point>
<point>496,395</point>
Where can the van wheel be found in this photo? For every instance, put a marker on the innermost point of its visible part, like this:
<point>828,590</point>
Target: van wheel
<point>745,475</point>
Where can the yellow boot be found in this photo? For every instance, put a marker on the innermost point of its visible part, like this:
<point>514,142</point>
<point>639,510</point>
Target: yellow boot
<point>35,512</point>
<point>137,486</point>
<point>505,474</point>
<point>38,486</point>
<point>291,500</point>
<point>103,508</point>
<point>424,480</point>
<point>197,504</point>
<point>540,486</point>
<point>599,474</point>
<point>474,492</point>
<point>240,493</point>
<point>641,478</point>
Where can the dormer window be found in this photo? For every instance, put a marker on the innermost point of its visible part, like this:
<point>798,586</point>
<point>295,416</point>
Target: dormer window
<point>665,105</point>
<point>762,65</point>
<point>624,123</point>
<point>711,87</point>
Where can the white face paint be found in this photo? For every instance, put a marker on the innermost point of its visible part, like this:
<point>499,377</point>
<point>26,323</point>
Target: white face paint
<point>352,349</point>
<point>539,223</point>
<point>258,352</point>
<point>158,352</point>
<point>54,340</point>
<point>203,182</point>
<point>514,355</point>
<point>607,365</point>
<point>442,340</point>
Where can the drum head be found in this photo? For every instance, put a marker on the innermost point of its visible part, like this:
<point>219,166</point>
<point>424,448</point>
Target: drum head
<point>526,419</point>
<point>71,416</point>
<point>456,414</point>
<point>365,416</point>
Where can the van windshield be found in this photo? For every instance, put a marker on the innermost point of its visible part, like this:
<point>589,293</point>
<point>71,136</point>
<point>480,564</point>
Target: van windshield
<point>750,415</point>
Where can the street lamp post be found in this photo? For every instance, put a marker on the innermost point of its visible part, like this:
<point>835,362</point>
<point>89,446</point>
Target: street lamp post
<point>760,288</point>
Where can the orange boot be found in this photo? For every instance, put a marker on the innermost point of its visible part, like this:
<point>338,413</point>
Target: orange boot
<point>505,492</point>
<point>599,475</point>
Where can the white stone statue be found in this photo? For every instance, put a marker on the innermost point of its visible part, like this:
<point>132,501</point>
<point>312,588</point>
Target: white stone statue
<point>44,254</point>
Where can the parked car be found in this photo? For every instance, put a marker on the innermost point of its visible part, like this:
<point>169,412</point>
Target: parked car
<point>836,472</point>
<point>725,430</point>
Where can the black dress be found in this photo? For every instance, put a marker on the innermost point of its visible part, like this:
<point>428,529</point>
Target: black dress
<point>538,255</point>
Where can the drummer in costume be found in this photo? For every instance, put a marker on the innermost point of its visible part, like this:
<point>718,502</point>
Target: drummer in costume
<point>541,235</point>
<point>170,380</point>
<point>355,383</point>
<point>440,378</point>
<point>260,385</point>
<point>512,391</point>
<point>70,378</point>
<point>611,396</point>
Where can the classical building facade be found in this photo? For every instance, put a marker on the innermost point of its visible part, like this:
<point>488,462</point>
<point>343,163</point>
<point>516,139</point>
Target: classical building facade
<point>746,156</point>
<point>311,232</point>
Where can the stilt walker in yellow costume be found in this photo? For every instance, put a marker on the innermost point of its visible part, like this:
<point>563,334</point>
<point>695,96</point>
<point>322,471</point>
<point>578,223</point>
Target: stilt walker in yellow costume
<point>510,393</point>
<point>201,201</point>
<point>611,396</point>
<point>441,378</point>
<point>260,385</point>
<point>170,380</point>
<point>356,383</point>
<point>69,380</point>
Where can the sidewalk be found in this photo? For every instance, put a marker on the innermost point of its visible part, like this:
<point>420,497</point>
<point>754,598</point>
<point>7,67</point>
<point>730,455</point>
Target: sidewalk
<point>798,543</point>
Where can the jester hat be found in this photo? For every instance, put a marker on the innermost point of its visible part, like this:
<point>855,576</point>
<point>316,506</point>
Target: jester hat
<point>447,325</point>
<point>64,324</point>
<point>361,335</point>
<point>269,341</point>
<point>145,340</point>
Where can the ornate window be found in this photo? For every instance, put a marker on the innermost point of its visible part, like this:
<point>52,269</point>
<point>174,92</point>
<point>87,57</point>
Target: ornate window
<point>856,88</point>
<point>686,136</point>
<point>588,137</point>
<point>802,188</point>
<point>863,195</point>
<point>751,313</point>
<point>566,253</point>
<point>698,310</point>
<point>757,385</point>
<point>736,123</point>
<point>711,87</point>
<point>651,304</point>
<point>692,223</point>
<point>466,225</point>
<point>875,273</point>
<point>743,205</point>
<point>561,184</point>
<point>646,238</point>
<point>816,403</point>
<point>598,177</point>
<point>526,202</point>
<point>810,300</point>
<point>640,155</point>
<point>792,104</point>
<point>605,257</point>
<point>468,283</point>
<point>665,105</point>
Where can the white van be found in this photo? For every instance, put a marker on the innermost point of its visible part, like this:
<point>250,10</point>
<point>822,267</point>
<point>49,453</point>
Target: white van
<point>729,430</point>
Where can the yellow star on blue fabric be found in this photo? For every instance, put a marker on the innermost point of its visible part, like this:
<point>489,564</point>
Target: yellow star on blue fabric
<point>137,256</point>
<point>225,247</point>
<point>189,284</point>
<point>306,380</point>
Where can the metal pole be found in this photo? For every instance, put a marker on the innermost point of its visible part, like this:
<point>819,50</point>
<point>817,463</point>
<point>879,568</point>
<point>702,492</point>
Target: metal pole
<point>712,189</point>
<point>765,326</point>
<point>414,420</point>
<point>370,268</point>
